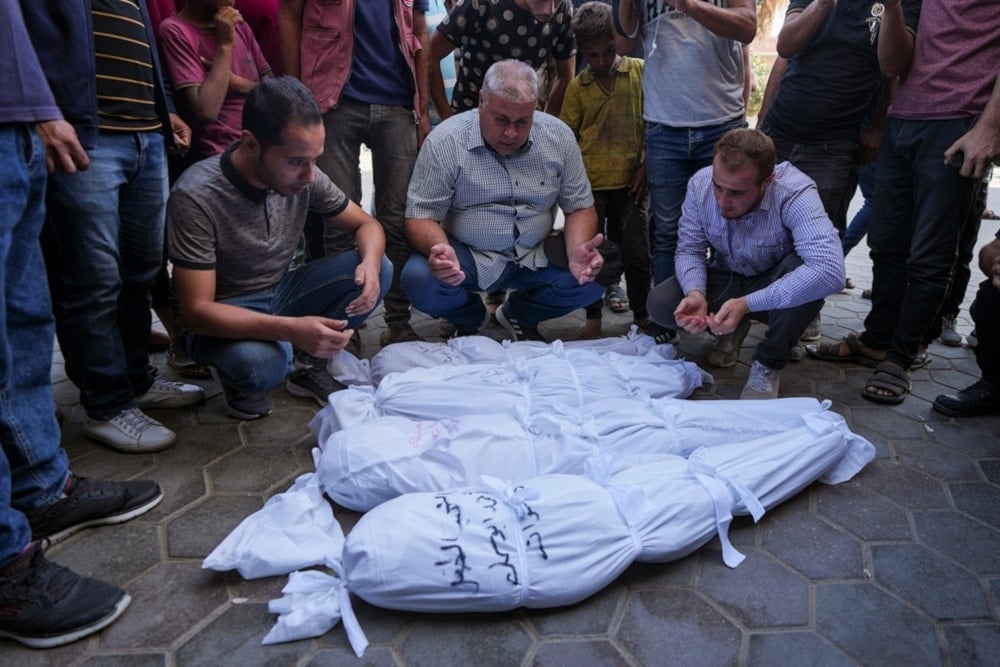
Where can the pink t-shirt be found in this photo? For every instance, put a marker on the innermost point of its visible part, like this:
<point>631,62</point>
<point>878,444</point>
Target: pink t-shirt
<point>190,52</point>
<point>955,61</point>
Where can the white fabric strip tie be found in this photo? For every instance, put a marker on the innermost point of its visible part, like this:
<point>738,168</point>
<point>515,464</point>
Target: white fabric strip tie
<point>355,635</point>
<point>514,496</point>
<point>721,490</point>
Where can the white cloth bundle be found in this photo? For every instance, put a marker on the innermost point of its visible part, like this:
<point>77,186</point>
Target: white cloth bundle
<point>688,501</point>
<point>401,357</point>
<point>540,383</point>
<point>369,463</point>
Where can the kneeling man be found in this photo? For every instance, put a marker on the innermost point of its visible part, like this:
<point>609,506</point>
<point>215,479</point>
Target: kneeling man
<point>754,241</point>
<point>481,205</point>
<point>234,223</point>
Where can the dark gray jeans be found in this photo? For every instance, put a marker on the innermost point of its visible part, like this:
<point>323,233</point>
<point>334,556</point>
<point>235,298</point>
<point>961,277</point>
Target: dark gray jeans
<point>786,324</point>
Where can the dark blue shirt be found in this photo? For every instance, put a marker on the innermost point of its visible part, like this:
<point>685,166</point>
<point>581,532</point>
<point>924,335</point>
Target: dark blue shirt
<point>828,86</point>
<point>26,97</point>
<point>379,73</point>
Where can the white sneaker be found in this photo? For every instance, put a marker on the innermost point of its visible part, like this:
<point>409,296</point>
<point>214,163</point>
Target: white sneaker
<point>763,383</point>
<point>164,394</point>
<point>130,431</point>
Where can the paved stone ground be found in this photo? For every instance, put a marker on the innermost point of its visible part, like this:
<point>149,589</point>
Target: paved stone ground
<point>900,566</point>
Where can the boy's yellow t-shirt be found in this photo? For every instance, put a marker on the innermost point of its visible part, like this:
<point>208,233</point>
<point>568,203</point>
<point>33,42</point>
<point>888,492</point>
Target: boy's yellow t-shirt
<point>608,124</point>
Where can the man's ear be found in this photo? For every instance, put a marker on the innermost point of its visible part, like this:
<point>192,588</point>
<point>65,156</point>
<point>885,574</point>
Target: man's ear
<point>250,142</point>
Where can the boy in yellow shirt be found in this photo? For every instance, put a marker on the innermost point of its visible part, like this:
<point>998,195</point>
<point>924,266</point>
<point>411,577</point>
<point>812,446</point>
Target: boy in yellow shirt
<point>603,107</point>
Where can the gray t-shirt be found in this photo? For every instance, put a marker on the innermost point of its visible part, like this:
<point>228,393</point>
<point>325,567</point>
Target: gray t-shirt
<point>693,77</point>
<point>217,221</point>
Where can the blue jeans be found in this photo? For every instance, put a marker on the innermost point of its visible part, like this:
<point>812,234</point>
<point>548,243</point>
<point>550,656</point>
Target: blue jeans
<point>322,287</point>
<point>539,295</point>
<point>107,229</point>
<point>33,467</point>
<point>858,227</point>
<point>673,155</point>
<point>391,134</point>
<point>785,325</point>
<point>920,208</point>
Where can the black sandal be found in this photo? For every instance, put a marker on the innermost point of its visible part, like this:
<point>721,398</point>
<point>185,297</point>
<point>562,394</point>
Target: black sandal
<point>889,377</point>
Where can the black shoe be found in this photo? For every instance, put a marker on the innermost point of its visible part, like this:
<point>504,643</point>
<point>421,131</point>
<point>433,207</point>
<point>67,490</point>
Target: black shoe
<point>46,605</point>
<point>517,329</point>
<point>314,382</point>
<point>92,502</point>
<point>661,335</point>
<point>982,398</point>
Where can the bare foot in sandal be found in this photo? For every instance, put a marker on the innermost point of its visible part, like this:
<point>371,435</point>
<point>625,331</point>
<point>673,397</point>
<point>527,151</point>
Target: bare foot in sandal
<point>889,384</point>
<point>850,348</point>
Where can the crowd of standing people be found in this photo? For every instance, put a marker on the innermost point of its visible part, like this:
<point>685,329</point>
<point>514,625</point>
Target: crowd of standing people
<point>181,156</point>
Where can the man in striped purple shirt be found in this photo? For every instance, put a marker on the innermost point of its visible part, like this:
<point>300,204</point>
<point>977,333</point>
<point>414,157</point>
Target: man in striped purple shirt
<point>754,242</point>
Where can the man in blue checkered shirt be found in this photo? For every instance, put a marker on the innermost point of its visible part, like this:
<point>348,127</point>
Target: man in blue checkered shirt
<point>773,256</point>
<point>481,206</point>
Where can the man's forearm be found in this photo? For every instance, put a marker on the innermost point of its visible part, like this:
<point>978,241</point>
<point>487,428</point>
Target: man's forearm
<point>289,36</point>
<point>895,43</point>
<point>800,27</point>
<point>737,21</point>
<point>424,234</point>
<point>580,227</point>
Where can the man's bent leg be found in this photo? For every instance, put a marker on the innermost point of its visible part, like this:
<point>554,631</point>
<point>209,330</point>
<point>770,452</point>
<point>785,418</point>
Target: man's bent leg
<point>459,304</point>
<point>546,294</point>
<point>668,170</point>
<point>326,287</point>
<point>346,125</point>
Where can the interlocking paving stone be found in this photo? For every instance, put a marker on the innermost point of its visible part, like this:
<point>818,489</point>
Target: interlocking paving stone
<point>128,660</point>
<point>680,628</point>
<point>268,432</point>
<point>255,470</point>
<point>793,649</point>
<point>233,638</point>
<point>940,463</point>
<point>991,470</point>
<point>381,626</point>
<point>174,598</point>
<point>964,438</point>
<point>962,539</point>
<point>973,644</point>
<point>593,617</point>
<point>873,627</point>
<point>590,653</point>
<point>748,591</point>
<point>468,639</point>
<point>979,500</point>
<point>908,569</point>
<point>812,546</point>
<point>862,512</point>
<point>906,485</point>
<point>202,445</point>
<point>12,653</point>
<point>107,463</point>
<point>113,553</point>
<point>640,576</point>
<point>885,421</point>
<point>264,589</point>
<point>201,528</point>
<point>375,656</point>
<point>181,487</point>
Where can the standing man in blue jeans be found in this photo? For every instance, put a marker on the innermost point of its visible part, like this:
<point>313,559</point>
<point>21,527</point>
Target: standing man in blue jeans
<point>106,223</point>
<point>692,88</point>
<point>233,225</point>
<point>481,207</point>
<point>365,62</point>
<point>44,605</point>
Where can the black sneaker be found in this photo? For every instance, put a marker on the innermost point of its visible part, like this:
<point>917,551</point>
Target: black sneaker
<point>43,605</point>
<point>92,502</point>
<point>980,398</point>
<point>242,405</point>
<point>662,335</point>
<point>517,329</point>
<point>313,382</point>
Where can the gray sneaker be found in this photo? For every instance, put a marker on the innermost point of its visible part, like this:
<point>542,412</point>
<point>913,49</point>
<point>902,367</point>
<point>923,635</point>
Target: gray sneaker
<point>763,383</point>
<point>243,405</point>
<point>812,332</point>
<point>314,382</point>
<point>726,349</point>
<point>164,394</point>
<point>131,431</point>
<point>949,336</point>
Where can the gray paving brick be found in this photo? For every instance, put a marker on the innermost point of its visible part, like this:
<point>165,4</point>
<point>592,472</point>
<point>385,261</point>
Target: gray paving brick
<point>591,653</point>
<point>469,639</point>
<point>960,538</point>
<point>202,527</point>
<point>592,617</point>
<point>862,512</point>
<point>812,546</point>
<point>233,639</point>
<point>873,627</point>
<point>937,585</point>
<point>979,500</point>
<point>792,649</point>
<point>749,592</point>
<point>681,628</point>
<point>973,644</point>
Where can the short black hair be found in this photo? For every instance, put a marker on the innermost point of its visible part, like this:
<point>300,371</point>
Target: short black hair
<point>274,104</point>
